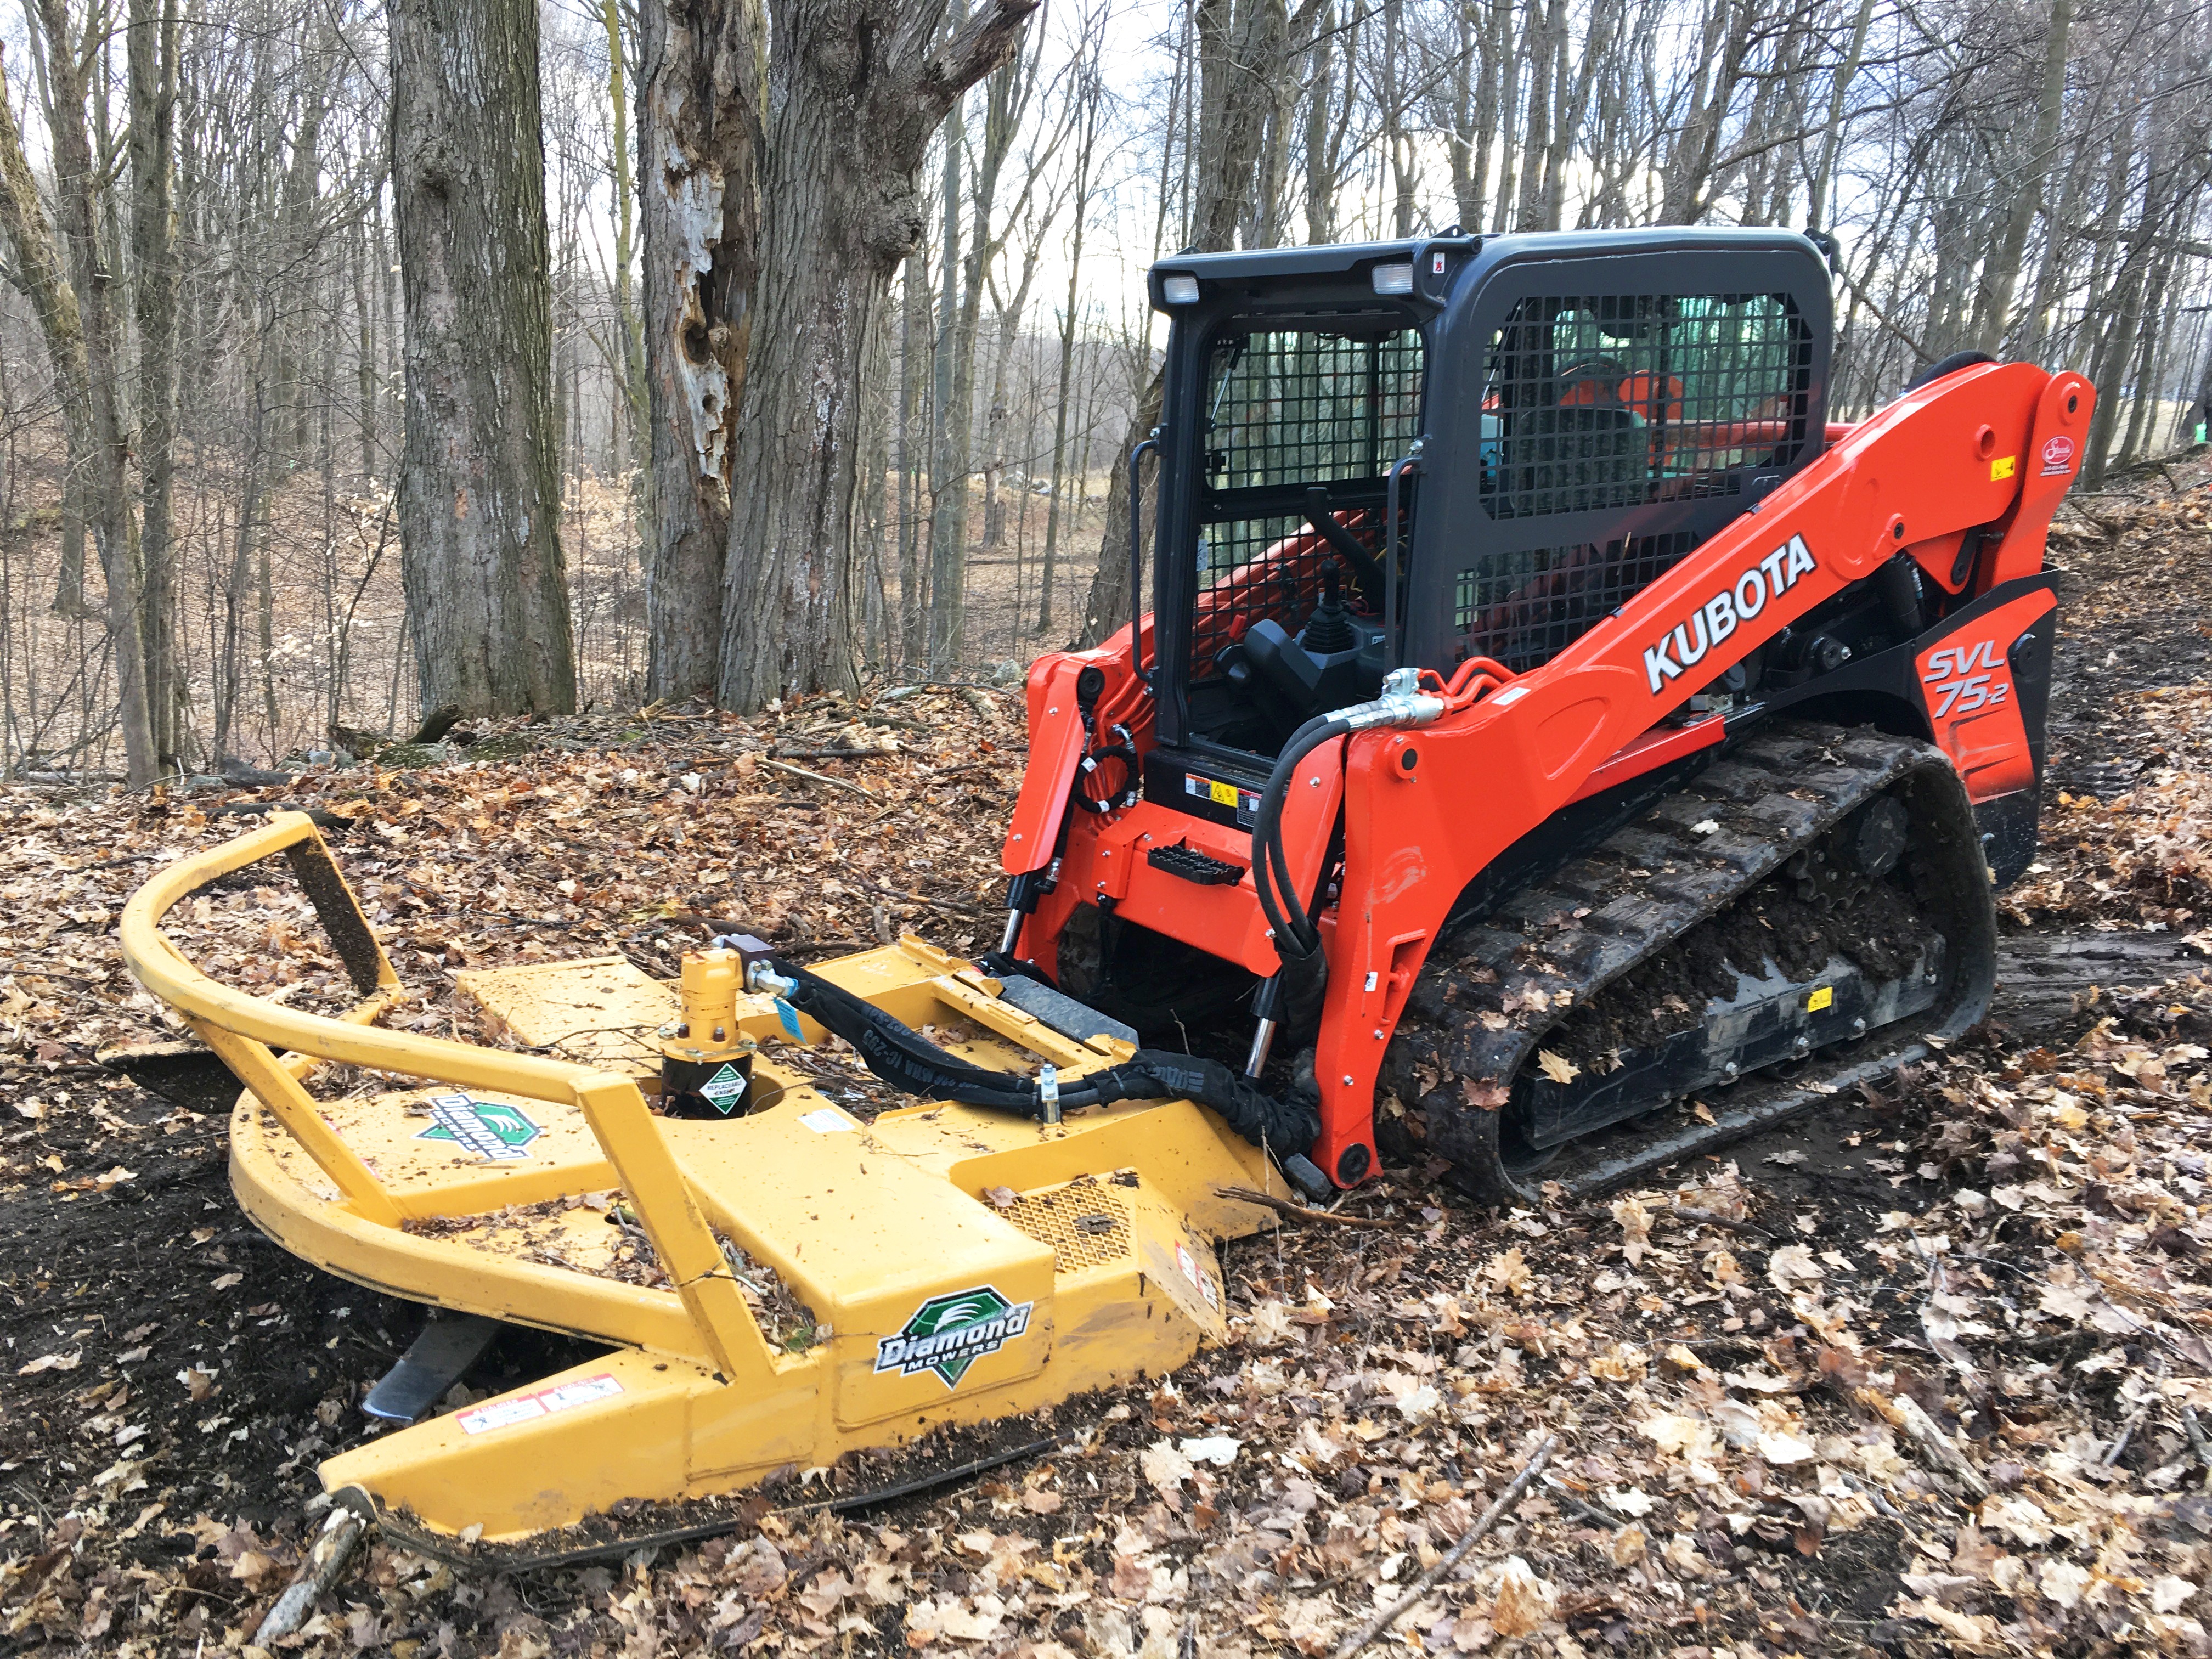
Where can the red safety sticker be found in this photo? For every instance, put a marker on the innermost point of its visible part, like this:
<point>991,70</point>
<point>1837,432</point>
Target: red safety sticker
<point>541,1402</point>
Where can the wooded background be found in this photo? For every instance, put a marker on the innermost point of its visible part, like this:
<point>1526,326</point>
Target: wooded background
<point>357,359</point>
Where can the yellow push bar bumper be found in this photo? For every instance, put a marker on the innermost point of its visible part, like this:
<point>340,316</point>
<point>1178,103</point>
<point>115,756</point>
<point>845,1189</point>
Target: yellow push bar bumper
<point>938,1265</point>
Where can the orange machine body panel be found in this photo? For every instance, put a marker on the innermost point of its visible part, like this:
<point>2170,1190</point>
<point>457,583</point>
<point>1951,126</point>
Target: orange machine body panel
<point>1925,477</point>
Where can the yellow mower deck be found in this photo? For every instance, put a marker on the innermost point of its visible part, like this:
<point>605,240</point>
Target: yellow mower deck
<point>960,1265</point>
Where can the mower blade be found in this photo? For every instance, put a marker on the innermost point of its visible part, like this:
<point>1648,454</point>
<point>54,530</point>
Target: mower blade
<point>186,1074</point>
<point>1063,1013</point>
<point>432,1363</point>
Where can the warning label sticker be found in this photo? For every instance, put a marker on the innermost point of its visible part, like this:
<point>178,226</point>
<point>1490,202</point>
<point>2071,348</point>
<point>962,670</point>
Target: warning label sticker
<point>1247,804</point>
<point>541,1402</point>
<point>725,1089</point>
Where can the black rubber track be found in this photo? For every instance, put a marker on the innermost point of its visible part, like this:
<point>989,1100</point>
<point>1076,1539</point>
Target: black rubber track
<point>1497,985</point>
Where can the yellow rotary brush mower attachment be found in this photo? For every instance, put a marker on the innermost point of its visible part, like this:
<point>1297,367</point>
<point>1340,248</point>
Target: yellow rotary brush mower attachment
<point>958,1263</point>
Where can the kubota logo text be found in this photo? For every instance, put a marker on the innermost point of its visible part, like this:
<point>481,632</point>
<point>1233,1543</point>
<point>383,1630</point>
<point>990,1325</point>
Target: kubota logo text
<point>1716,619</point>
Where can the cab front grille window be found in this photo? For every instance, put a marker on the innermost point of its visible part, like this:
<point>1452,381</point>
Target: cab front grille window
<point>1288,412</point>
<point>1300,406</point>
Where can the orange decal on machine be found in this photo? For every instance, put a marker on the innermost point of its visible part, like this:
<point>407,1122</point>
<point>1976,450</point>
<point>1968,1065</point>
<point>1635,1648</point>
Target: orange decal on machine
<point>1973,706</point>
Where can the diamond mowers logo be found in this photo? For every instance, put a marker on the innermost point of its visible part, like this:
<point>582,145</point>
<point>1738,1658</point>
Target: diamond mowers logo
<point>489,1128</point>
<point>949,1333</point>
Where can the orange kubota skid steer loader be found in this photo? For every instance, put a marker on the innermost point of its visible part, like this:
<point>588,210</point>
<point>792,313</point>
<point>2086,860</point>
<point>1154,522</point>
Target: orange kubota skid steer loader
<point>1542,716</point>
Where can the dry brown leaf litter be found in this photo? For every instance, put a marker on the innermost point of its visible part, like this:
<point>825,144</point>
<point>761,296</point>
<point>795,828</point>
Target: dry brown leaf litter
<point>1927,1388</point>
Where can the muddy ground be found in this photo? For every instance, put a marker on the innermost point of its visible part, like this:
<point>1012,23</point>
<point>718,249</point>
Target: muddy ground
<point>171,1378</point>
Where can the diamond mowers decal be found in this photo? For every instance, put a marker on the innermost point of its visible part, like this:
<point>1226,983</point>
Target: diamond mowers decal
<point>489,1128</point>
<point>949,1333</point>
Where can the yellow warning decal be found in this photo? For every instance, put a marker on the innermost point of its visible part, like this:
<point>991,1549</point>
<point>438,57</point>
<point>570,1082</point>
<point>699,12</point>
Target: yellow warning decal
<point>1222,793</point>
<point>2002,467</point>
<point>1820,999</point>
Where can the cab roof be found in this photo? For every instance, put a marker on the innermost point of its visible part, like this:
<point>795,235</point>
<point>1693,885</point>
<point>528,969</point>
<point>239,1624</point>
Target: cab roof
<point>1353,262</point>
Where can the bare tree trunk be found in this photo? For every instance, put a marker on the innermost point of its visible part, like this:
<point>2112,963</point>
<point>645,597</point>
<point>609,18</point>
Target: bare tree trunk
<point>861,84</point>
<point>1321,155</point>
<point>1243,46</point>
<point>295,277</point>
<point>1509,110</point>
<point>1092,92</point>
<point>479,486</point>
<point>1468,75</point>
<point>2001,269</point>
<point>634,404</point>
<point>947,439</point>
<point>1107,607</point>
<point>1831,136</point>
<point>704,78</point>
<point>153,59</point>
<point>229,673</point>
<point>78,191</point>
<point>1574,103</point>
<point>914,333</point>
<point>1688,174</point>
<point>2157,320</point>
<point>1240,56</point>
<point>1390,90</point>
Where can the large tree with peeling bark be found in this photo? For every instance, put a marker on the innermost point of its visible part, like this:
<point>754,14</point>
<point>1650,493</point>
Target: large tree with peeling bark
<point>699,128</point>
<point>479,483</point>
<point>780,199</point>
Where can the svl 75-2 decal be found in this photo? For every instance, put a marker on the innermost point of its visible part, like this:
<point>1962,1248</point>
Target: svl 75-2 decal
<point>1963,678</point>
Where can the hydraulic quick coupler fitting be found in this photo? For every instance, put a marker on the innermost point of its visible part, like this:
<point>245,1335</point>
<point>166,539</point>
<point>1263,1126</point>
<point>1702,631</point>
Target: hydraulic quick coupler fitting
<point>1402,704</point>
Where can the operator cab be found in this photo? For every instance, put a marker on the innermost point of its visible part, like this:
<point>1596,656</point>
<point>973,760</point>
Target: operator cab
<point>1415,453</point>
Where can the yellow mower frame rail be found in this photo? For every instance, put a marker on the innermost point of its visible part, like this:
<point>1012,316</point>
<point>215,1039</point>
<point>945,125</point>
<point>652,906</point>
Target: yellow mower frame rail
<point>961,1265</point>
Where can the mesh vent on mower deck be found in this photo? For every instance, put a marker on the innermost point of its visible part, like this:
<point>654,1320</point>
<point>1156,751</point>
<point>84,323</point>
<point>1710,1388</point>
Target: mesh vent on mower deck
<point>1086,1224</point>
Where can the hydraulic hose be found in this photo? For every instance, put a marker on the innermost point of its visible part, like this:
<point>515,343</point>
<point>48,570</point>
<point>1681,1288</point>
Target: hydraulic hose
<point>1297,937</point>
<point>1403,703</point>
<point>910,1063</point>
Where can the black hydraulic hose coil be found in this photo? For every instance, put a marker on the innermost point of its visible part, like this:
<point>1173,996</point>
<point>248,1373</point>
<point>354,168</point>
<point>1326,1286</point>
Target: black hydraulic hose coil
<point>1297,937</point>
<point>910,1063</point>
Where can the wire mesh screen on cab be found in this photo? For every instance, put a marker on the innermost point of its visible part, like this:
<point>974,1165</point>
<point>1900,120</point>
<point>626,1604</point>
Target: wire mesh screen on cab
<point>1604,402</point>
<point>1290,411</point>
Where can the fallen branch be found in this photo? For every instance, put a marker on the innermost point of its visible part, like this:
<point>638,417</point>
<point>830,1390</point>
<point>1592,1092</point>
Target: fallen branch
<point>2198,1443</point>
<point>2127,1433</point>
<point>837,753</point>
<point>819,777</point>
<point>1714,1219</point>
<point>965,912</point>
<point>1904,1412</point>
<point>1428,1580</point>
<point>1873,1495</point>
<point>333,1547</point>
<point>1560,1490</point>
<point>1299,1211</point>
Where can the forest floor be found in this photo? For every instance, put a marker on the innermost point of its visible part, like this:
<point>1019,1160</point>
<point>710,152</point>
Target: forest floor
<point>2009,1243</point>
